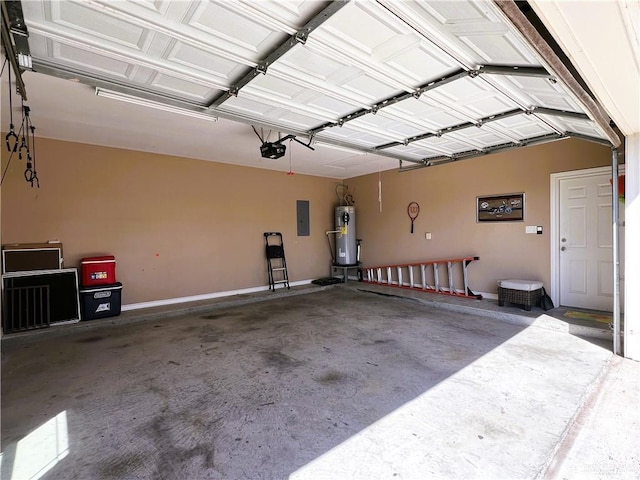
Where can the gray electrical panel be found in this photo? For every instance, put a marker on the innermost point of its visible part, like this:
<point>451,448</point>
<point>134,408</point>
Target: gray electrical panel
<point>302,209</point>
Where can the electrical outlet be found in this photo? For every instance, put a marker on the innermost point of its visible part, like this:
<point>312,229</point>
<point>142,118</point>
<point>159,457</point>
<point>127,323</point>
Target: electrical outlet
<point>427,236</point>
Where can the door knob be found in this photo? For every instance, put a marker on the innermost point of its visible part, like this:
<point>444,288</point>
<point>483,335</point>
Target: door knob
<point>563,239</point>
<point>563,248</point>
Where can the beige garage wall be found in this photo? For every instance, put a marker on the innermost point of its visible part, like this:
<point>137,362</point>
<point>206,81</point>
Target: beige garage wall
<point>447,197</point>
<point>178,227</point>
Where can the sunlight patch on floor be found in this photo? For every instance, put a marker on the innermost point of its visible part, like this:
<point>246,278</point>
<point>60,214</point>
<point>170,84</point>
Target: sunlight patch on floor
<point>42,449</point>
<point>508,404</point>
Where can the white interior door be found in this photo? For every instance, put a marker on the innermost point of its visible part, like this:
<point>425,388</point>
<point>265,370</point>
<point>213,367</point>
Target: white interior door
<point>586,265</point>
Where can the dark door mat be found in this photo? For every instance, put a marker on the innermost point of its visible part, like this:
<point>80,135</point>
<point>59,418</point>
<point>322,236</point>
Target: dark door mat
<point>327,281</point>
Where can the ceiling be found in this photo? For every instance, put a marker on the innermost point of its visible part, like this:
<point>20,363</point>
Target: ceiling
<point>366,83</point>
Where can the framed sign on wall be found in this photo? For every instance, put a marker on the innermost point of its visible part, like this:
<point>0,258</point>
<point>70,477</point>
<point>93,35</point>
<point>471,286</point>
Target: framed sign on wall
<point>500,208</point>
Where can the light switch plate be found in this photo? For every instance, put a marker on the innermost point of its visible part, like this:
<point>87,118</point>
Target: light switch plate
<point>530,229</point>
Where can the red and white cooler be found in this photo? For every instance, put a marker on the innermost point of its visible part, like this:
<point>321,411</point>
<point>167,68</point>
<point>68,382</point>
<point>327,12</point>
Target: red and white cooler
<point>98,271</point>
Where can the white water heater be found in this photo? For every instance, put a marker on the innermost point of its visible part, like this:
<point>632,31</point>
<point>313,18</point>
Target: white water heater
<point>346,248</point>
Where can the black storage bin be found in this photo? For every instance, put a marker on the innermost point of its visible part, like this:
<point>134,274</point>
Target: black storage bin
<point>101,302</point>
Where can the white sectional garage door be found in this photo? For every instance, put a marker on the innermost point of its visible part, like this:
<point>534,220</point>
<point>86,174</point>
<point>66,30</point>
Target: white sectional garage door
<point>423,82</point>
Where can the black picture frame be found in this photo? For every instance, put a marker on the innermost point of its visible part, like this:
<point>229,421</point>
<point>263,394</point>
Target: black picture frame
<point>500,208</point>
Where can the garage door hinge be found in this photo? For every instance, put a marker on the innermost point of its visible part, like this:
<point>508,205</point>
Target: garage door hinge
<point>261,68</point>
<point>301,36</point>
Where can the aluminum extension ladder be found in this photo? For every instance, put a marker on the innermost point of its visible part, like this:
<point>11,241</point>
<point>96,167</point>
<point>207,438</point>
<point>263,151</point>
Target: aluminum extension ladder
<point>276,263</point>
<point>425,276</point>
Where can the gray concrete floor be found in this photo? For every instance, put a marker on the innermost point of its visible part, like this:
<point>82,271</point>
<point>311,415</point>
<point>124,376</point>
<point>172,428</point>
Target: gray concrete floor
<point>604,441</point>
<point>337,383</point>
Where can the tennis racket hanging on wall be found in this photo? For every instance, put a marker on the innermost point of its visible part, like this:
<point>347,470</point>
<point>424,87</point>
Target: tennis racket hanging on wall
<point>413,210</point>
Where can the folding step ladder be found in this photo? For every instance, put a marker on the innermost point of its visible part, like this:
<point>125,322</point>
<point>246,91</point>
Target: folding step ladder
<point>425,276</point>
<point>276,263</point>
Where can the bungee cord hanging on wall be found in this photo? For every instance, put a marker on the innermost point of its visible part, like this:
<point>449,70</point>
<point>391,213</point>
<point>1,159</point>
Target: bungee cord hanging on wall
<point>11,138</point>
<point>24,141</point>
<point>30,173</point>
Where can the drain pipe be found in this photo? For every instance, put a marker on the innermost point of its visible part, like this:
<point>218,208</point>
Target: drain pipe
<point>617,350</point>
<point>331,249</point>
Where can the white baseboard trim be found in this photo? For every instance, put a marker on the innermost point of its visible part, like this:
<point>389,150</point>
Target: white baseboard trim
<point>205,296</point>
<point>229,293</point>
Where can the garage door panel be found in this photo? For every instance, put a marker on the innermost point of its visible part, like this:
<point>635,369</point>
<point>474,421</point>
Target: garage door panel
<point>446,144</point>
<point>421,110</point>
<point>353,136</point>
<point>331,106</point>
<point>412,151</point>
<point>270,111</point>
<point>312,63</point>
<point>368,87</point>
<point>79,18</point>
<point>473,96</point>
<point>485,106</point>
<point>320,108</point>
<point>473,33</point>
<point>419,63</point>
<point>362,26</point>
<point>227,21</point>
<point>384,123</point>
<point>288,15</point>
<point>372,132</point>
<point>522,127</point>
<point>359,58</point>
<point>206,62</point>
<point>552,100</point>
<point>366,34</point>
<point>339,73</point>
<point>180,87</point>
<point>428,112</point>
<point>80,58</point>
<point>273,86</point>
<point>541,92</point>
<point>498,48</point>
<point>582,127</point>
<point>480,137</point>
<point>73,47</point>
